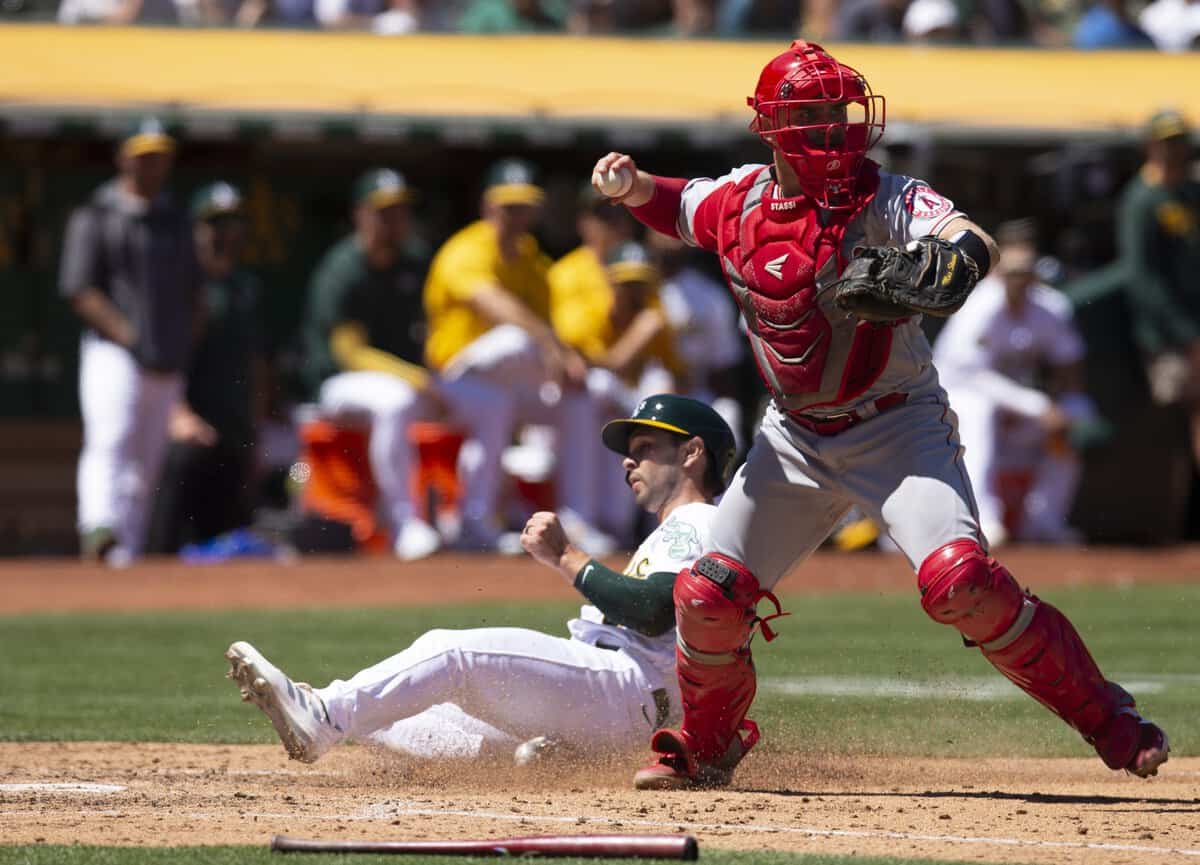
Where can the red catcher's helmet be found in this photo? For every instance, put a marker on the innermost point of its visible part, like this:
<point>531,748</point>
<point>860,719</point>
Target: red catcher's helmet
<point>821,117</point>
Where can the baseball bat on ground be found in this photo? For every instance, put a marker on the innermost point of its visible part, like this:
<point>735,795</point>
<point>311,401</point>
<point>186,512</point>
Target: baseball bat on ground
<point>607,846</point>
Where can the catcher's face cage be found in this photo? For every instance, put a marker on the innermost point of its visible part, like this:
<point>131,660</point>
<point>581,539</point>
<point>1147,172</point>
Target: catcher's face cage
<point>822,118</point>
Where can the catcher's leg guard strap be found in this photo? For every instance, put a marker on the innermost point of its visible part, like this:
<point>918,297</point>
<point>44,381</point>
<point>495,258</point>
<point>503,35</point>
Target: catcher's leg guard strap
<point>1029,641</point>
<point>1049,661</point>
<point>715,616</point>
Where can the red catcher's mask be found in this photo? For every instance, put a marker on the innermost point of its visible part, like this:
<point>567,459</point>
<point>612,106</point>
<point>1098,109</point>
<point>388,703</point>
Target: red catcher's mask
<point>821,117</point>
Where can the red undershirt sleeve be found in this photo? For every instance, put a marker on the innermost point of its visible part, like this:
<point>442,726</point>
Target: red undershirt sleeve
<point>661,212</point>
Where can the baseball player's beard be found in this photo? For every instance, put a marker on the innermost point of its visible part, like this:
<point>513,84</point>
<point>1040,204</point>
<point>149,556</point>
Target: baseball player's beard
<point>655,494</point>
<point>644,494</point>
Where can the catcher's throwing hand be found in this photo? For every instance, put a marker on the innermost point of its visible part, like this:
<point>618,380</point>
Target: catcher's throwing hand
<point>640,192</point>
<point>883,283</point>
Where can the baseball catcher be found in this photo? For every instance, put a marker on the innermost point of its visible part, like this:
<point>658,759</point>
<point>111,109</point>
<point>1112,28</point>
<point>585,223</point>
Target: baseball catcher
<point>857,416</point>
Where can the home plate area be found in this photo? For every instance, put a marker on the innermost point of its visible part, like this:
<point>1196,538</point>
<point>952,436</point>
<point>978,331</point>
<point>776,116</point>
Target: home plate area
<point>988,810</point>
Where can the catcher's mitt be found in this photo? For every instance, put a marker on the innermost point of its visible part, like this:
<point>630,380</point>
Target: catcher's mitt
<point>883,283</point>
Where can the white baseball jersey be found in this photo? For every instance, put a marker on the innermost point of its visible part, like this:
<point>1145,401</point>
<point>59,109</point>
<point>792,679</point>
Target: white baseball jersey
<point>708,339</point>
<point>989,357</point>
<point>479,691</point>
<point>997,353</point>
<point>704,322</point>
<point>670,548</point>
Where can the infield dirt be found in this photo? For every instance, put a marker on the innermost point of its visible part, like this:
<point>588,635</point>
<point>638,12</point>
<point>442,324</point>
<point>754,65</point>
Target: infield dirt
<point>1043,811</point>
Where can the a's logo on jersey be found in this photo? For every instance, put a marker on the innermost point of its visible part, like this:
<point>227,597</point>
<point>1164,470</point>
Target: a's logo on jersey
<point>681,539</point>
<point>775,266</point>
<point>923,203</point>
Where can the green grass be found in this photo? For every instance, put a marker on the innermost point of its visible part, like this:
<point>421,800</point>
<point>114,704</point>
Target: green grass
<point>160,676</point>
<point>79,855</point>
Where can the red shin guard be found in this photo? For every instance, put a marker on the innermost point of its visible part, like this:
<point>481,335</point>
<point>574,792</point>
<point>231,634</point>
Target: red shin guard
<point>715,615</point>
<point>1026,639</point>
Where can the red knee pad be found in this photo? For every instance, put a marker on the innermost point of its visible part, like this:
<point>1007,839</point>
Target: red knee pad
<point>962,586</point>
<point>715,615</point>
<point>715,604</point>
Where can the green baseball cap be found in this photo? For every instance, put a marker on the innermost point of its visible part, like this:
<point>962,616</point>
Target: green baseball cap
<point>382,187</point>
<point>147,135</point>
<point>630,262</point>
<point>1165,124</point>
<point>215,199</point>
<point>512,181</point>
<point>686,417</point>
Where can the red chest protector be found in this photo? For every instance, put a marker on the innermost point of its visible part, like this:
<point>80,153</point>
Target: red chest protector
<point>771,251</point>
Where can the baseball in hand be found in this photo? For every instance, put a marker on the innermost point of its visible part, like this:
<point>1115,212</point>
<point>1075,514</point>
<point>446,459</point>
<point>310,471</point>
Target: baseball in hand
<point>614,184</point>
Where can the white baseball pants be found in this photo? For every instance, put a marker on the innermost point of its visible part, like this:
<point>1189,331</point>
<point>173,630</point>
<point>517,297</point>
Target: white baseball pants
<point>507,358</point>
<point>520,682</point>
<point>483,411</point>
<point>1020,444</point>
<point>125,413</point>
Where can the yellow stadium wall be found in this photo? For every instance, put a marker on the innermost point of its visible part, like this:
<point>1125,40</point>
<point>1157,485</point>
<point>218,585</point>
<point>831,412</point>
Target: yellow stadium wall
<point>568,79</point>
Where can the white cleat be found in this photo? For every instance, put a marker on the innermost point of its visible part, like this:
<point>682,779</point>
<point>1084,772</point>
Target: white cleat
<point>296,713</point>
<point>416,540</point>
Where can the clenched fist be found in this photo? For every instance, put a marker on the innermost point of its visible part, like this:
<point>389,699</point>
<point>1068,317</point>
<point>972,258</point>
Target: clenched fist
<point>544,538</point>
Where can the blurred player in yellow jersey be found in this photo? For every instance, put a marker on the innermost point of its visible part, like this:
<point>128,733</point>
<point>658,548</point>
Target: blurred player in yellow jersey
<point>604,300</point>
<point>580,294</point>
<point>487,300</point>
<point>604,303</point>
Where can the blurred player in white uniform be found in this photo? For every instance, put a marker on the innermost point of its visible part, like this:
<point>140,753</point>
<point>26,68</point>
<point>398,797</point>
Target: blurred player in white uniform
<point>129,271</point>
<point>705,324</point>
<point>1013,332</point>
<point>473,692</point>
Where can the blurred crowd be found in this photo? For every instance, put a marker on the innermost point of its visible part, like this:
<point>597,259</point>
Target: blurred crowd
<point>1166,25</point>
<point>445,396</point>
<point>437,390</point>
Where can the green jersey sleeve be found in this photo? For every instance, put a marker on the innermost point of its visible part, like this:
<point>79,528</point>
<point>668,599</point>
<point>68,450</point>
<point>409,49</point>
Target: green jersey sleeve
<point>642,604</point>
<point>1159,321</point>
